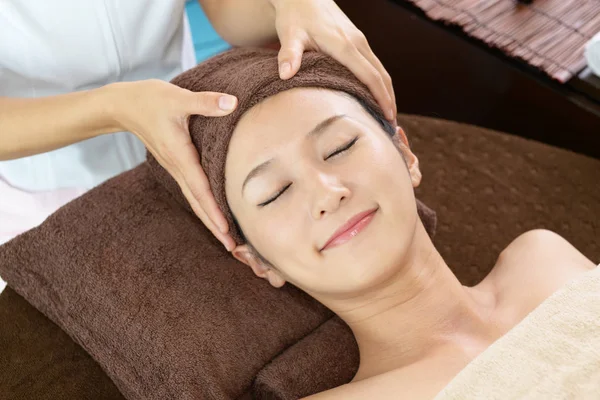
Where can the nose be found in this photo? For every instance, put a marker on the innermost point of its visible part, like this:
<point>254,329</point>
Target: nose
<point>329,194</point>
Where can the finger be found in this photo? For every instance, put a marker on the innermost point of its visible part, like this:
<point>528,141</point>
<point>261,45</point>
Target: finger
<point>366,51</point>
<point>188,164</point>
<point>210,104</point>
<point>224,238</point>
<point>171,167</point>
<point>353,59</point>
<point>290,54</point>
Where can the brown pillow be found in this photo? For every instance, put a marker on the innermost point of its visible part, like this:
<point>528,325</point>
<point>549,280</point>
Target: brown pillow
<point>153,297</point>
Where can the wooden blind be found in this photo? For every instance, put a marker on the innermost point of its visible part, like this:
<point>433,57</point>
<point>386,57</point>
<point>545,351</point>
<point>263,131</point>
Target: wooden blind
<point>548,34</point>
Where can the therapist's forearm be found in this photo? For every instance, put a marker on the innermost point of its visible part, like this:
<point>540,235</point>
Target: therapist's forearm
<point>242,22</point>
<point>32,126</point>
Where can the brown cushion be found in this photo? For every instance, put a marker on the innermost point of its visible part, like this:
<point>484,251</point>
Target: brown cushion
<point>39,361</point>
<point>488,187</point>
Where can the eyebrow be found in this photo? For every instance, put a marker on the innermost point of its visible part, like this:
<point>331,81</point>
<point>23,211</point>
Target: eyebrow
<point>316,131</point>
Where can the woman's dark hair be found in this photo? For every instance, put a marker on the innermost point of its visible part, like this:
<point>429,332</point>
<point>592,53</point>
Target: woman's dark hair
<point>387,127</point>
<point>377,116</point>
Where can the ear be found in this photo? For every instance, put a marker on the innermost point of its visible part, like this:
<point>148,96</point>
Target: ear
<point>401,136</point>
<point>244,254</point>
<point>412,162</point>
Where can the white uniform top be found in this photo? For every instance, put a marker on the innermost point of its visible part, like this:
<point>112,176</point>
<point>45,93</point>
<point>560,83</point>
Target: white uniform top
<point>61,46</point>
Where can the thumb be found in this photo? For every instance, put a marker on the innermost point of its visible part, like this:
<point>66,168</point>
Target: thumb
<point>290,55</point>
<point>210,104</point>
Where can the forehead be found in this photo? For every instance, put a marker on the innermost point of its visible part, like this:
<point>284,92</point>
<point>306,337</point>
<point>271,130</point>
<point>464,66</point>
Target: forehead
<point>296,109</point>
<point>283,118</point>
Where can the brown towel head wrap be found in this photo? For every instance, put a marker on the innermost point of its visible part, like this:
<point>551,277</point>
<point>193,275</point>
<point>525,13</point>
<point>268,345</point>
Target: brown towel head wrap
<point>252,76</point>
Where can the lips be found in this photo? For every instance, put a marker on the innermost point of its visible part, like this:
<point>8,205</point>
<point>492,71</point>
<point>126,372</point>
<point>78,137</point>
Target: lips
<point>350,229</point>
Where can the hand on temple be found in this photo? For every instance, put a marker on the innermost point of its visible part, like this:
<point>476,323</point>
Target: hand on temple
<point>158,112</point>
<point>321,25</point>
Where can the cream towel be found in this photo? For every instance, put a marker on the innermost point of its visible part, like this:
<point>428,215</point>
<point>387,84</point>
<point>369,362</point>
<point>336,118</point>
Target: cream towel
<point>554,353</point>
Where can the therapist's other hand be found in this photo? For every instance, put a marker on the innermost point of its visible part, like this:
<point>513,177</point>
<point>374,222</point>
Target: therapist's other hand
<point>158,112</point>
<point>321,25</point>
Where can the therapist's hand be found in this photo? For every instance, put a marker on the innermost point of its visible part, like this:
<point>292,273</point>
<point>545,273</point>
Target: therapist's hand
<point>321,25</point>
<point>157,112</point>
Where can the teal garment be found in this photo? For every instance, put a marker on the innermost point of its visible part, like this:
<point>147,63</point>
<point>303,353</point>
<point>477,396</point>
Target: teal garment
<point>207,42</point>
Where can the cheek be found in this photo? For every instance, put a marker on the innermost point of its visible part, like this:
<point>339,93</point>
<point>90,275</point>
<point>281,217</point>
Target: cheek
<point>383,169</point>
<point>389,181</point>
<point>283,237</point>
<point>277,236</point>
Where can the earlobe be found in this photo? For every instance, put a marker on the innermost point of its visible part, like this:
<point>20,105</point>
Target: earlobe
<point>416,177</point>
<point>411,159</point>
<point>415,171</point>
<point>276,280</point>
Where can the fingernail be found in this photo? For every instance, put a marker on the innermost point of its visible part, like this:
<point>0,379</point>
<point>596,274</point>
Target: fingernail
<point>284,69</point>
<point>391,113</point>
<point>226,103</point>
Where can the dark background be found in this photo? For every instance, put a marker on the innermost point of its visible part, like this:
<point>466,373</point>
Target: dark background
<point>438,71</point>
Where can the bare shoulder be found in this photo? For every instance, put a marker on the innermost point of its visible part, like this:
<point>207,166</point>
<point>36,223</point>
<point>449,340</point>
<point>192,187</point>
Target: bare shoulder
<point>535,265</point>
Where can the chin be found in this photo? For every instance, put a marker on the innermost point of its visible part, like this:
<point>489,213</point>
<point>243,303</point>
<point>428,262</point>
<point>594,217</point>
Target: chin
<point>370,267</point>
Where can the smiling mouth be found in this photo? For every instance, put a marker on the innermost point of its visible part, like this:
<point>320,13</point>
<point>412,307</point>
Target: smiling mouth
<point>350,229</point>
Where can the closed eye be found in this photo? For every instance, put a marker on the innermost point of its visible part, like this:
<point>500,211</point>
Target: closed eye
<point>272,199</point>
<point>336,152</point>
<point>342,148</point>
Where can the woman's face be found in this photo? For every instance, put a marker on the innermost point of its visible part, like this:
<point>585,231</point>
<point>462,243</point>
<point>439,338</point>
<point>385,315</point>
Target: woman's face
<point>300,166</point>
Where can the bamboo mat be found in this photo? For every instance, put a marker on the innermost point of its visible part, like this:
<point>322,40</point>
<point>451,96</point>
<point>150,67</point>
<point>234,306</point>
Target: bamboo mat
<point>548,34</point>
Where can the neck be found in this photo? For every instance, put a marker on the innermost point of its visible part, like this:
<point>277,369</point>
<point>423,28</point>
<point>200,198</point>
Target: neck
<point>421,309</point>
